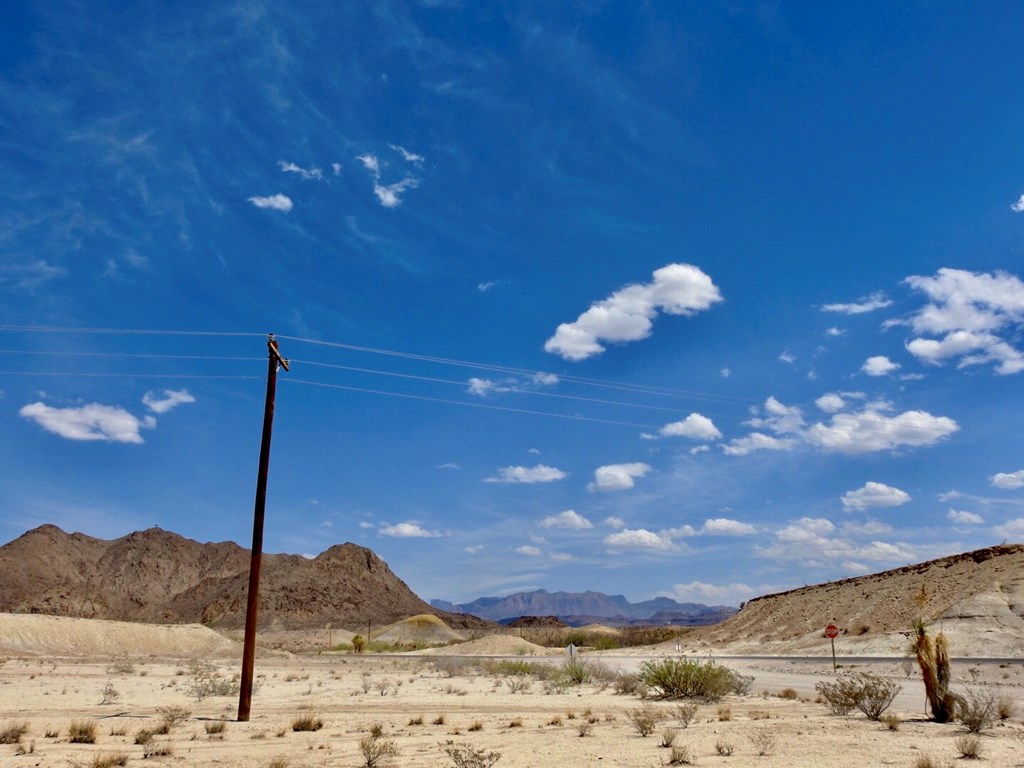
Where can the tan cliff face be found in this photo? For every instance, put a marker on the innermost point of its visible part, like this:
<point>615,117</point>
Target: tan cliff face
<point>975,598</point>
<point>159,576</point>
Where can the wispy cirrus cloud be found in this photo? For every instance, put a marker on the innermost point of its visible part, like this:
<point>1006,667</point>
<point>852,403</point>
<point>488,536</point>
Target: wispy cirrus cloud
<point>527,475</point>
<point>874,301</point>
<point>312,174</point>
<point>169,399</point>
<point>628,314</point>
<point>964,517</point>
<point>277,202</point>
<point>390,195</point>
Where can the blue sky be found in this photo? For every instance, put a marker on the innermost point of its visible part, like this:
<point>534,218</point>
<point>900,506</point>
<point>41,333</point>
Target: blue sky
<point>702,300</point>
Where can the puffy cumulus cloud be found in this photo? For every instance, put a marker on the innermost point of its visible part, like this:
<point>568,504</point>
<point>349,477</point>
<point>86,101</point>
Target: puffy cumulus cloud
<point>968,316</point>
<point>849,566</point>
<point>617,477</point>
<point>1008,481</point>
<point>639,538</point>
<point>273,202</point>
<point>169,399</point>
<point>1011,529</point>
<point>756,441</point>
<point>695,426</point>
<point>879,365</point>
<point>877,300</point>
<point>94,421</point>
<point>615,522</point>
<point>538,474</point>
<point>966,518</point>
<point>408,530</point>
<point>811,540</point>
<point>1018,207</point>
<point>723,526</point>
<point>567,519</point>
<point>871,429</point>
<point>528,550</point>
<point>628,314</point>
<point>874,495</point>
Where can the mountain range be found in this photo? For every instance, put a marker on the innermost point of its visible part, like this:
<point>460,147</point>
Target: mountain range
<point>581,608</point>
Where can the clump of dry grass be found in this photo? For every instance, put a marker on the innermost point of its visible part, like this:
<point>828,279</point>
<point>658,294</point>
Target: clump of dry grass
<point>109,759</point>
<point>969,746</point>
<point>376,751</point>
<point>11,733</point>
<point>724,748</point>
<point>468,756</point>
<point>789,694</point>
<point>644,719</point>
<point>680,755</point>
<point>892,721</point>
<point>307,722</point>
<point>476,725</point>
<point>82,732</point>
<point>215,728</point>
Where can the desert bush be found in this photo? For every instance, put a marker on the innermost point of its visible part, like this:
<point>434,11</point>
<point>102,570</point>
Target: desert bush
<point>215,728</point>
<point>724,748</point>
<point>927,761</point>
<point>763,741</point>
<point>644,719</point>
<point>173,715</point>
<point>377,730</point>
<point>976,710</point>
<point>156,748</point>
<point>576,672</point>
<point>205,681</point>
<point>11,733</point>
<point>278,762</point>
<point>675,678</point>
<point>724,714</point>
<point>109,759</point>
<point>789,694</point>
<point>307,722</point>
<point>584,728</point>
<point>869,693</point>
<point>143,736</point>
<point>685,713</point>
<point>511,667</point>
<point>110,694</point>
<point>476,725</point>
<point>933,659</point>
<point>358,643</point>
<point>376,750</point>
<point>1005,707</point>
<point>82,732</point>
<point>518,684</point>
<point>969,746</point>
<point>418,720</point>
<point>628,684</point>
<point>680,755</point>
<point>468,756</point>
<point>439,720</point>
<point>892,721</point>
<point>668,737</point>
<point>121,667</point>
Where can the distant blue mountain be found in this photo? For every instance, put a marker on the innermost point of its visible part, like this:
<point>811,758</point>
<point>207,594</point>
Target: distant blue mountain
<point>578,608</point>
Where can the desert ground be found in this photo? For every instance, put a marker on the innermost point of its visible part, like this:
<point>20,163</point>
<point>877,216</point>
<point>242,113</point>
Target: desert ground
<point>120,679</point>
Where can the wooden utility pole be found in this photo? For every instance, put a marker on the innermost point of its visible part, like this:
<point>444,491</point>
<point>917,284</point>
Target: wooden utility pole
<point>252,606</point>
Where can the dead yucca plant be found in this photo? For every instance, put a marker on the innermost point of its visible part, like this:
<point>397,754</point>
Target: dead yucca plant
<point>933,659</point>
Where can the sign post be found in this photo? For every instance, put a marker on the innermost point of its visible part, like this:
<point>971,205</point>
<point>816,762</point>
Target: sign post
<point>832,632</point>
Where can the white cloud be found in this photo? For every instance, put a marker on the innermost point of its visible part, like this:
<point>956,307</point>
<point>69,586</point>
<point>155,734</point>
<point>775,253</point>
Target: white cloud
<point>1008,481</point>
<point>483,387</point>
<point>869,528</point>
<point>849,566</point>
<point>697,449</point>
<point>834,331</point>
<point>879,365</point>
<point>615,522</point>
<point>487,285</point>
<point>537,474</point>
<point>723,526</point>
<point>967,518</point>
<point>474,549</point>
<point>872,430</point>
<point>568,519</point>
<point>627,315</point>
<point>725,373</point>
<point>370,163</point>
<point>874,495</point>
<point>528,551</point>
<point>640,538</point>
<point>695,426</point>
<point>811,540</point>
<point>448,465</point>
<point>701,591</point>
<point>408,530</point>
<point>964,317</point>
<point>786,357</point>
<point>306,173</point>
<point>274,202</point>
<point>89,422</point>
<point>408,156</point>
<point>388,194</point>
<point>1018,207</point>
<point>171,399</point>
<point>877,300</point>
<point>542,379</point>
<point>617,477</point>
<point>756,441</point>
<point>830,403</point>
<point>1011,529</point>
<point>336,167</point>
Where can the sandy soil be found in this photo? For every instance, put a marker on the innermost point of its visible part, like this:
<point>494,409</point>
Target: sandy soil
<point>408,695</point>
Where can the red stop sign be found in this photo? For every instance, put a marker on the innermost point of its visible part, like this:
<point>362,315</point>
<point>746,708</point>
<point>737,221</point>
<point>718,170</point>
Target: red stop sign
<point>832,631</point>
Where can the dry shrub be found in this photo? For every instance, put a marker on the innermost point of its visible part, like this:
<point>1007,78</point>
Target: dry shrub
<point>307,723</point>
<point>476,725</point>
<point>724,714</point>
<point>439,720</point>
<point>11,733</point>
<point>668,737</point>
<point>869,693</point>
<point>109,759</point>
<point>685,713</point>
<point>969,746</point>
<point>173,716</point>
<point>763,741</point>
<point>789,694</point>
<point>144,736</point>
<point>723,748</point>
<point>644,719</point>
<point>468,756</point>
<point>680,756</point>
<point>892,721</point>
<point>82,732</point>
<point>1005,707</point>
<point>157,749</point>
<point>976,710</point>
<point>927,761</point>
<point>376,751</point>
<point>583,729</point>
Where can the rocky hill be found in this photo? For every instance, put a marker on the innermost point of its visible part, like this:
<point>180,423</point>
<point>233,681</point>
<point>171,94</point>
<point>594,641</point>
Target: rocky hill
<point>976,598</point>
<point>159,576</point>
<point>581,608</point>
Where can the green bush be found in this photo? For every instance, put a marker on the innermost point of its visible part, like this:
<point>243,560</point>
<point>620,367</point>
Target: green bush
<point>706,681</point>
